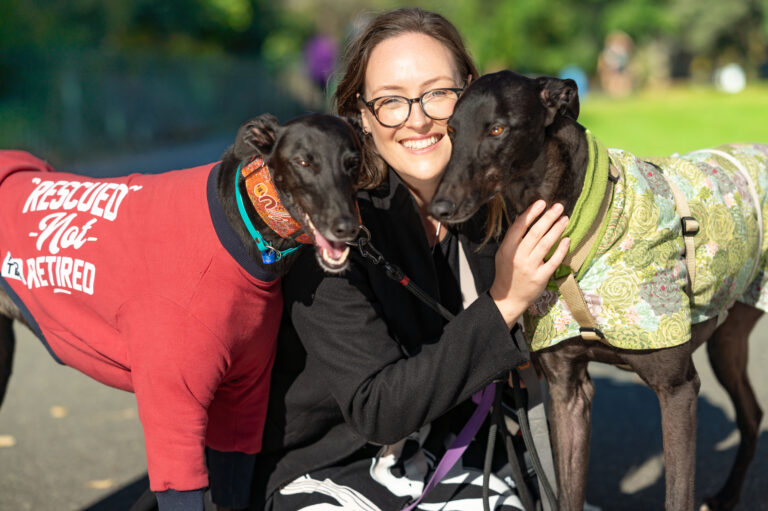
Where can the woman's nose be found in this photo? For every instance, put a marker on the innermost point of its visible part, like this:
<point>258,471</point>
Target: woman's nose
<point>416,118</point>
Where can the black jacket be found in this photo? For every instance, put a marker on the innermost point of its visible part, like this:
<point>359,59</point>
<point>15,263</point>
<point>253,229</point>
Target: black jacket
<point>362,361</point>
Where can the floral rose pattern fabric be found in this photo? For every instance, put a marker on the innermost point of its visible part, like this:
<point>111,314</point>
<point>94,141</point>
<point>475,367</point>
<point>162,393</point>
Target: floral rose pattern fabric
<point>635,286</point>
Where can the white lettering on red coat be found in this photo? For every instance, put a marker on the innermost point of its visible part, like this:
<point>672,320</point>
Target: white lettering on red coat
<point>65,228</point>
<point>99,199</point>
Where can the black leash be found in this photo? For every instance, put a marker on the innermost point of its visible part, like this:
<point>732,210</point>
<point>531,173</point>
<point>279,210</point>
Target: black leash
<point>525,428</point>
<point>369,252</point>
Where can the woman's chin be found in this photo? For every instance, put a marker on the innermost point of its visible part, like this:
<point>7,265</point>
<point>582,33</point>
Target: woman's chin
<point>425,168</point>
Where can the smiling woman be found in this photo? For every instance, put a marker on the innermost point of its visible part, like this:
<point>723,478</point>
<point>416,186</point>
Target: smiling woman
<point>362,401</point>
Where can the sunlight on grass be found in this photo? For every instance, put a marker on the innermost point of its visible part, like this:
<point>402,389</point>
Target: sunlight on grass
<point>680,119</point>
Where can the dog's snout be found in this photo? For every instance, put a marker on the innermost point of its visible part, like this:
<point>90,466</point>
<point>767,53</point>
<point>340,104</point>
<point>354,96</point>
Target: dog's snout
<point>344,227</point>
<point>442,209</point>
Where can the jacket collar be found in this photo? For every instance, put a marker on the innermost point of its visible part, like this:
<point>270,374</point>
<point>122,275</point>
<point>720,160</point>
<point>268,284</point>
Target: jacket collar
<point>397,233</point>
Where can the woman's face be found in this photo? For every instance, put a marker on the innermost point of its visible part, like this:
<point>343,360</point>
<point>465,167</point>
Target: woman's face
<point>408,65</point>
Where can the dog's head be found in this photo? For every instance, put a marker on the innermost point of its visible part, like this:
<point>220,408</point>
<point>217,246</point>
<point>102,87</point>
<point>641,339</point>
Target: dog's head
<point>498,130</point>
<point>314,161</point>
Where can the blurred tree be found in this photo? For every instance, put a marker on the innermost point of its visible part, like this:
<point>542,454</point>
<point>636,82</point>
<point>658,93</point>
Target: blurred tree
<point>175,26</point>
<point>722,31</point>
<point>543,36</point>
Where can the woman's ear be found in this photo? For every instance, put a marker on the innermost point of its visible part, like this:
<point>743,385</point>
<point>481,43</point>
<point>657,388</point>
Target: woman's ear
<point>469,80</point>
<point>366,126</point>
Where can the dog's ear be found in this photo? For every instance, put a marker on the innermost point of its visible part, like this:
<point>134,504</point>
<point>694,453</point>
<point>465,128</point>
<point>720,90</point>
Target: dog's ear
<point>256,136</point>
<point>561,97</point>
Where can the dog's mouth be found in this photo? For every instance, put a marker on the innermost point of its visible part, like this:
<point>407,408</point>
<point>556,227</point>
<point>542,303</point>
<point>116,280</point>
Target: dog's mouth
<point>332,255</point>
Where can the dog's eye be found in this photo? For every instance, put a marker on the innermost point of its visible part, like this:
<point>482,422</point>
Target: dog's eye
<point>497,130</point>
<point>302,162</point>
<point>450,130</point>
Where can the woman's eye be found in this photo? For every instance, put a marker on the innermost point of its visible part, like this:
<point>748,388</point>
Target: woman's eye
<point>438,93</point>
<point>497,130</point>
<point>392,102</point>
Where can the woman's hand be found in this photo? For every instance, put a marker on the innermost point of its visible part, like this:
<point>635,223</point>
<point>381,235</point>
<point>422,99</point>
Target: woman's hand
<point>521,272</point>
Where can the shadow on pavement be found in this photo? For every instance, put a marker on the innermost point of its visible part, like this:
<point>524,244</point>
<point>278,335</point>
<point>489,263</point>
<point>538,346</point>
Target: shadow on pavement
<point>123,498</point>
<point>626,471</point>
<point>132,497</point>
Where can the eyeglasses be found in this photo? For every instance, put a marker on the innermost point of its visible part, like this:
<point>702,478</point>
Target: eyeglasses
<point>393,111</point>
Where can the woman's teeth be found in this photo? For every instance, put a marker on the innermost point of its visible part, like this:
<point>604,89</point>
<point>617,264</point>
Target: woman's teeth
<point>421,143</point>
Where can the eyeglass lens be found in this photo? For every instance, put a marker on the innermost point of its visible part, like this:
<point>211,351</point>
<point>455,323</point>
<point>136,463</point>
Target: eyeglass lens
<point>437,104</point>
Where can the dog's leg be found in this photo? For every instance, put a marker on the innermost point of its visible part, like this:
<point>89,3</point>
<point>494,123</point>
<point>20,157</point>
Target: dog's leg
<point>671,374</point>
<point>571,391</point>
<point>728,350</point>
<point>7,347</point>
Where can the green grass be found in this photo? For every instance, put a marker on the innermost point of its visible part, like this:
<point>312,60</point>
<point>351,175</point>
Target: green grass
<point>680,119</point>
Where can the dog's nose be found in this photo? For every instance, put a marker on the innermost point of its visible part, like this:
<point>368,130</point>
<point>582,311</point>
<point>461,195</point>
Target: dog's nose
<point>345,227</point>
<point>442,209</point>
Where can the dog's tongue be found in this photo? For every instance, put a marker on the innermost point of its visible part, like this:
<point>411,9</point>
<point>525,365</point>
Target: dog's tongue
<point>334,249</point>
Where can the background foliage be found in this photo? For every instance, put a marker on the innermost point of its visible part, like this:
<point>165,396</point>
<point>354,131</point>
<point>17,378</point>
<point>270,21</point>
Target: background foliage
<point>83,77</point>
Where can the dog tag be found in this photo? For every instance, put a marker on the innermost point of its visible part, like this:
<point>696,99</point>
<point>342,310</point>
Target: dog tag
<point>268,257</point>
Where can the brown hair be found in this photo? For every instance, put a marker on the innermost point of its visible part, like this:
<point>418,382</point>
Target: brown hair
<point>355,62</point>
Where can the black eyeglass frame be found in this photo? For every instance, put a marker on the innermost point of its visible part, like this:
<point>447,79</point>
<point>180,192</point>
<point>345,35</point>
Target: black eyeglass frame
<point>410,101</point>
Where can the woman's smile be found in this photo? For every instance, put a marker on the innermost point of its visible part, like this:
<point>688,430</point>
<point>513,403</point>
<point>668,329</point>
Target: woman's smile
<point>421,145</point>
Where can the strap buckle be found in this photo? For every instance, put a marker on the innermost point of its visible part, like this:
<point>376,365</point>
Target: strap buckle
<point>363,244</point>
<point>591,334</point>
<point>690,226</point>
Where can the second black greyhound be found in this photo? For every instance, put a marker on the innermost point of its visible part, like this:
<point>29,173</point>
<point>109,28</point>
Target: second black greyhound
<point>519,137</point>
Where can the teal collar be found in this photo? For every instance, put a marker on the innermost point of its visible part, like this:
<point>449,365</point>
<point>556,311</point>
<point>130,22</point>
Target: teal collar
<point>269,254</point>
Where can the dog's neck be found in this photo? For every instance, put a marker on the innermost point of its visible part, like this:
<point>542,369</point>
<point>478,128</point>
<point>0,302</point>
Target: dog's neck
<point>228,176</point>
<point>562,163</point>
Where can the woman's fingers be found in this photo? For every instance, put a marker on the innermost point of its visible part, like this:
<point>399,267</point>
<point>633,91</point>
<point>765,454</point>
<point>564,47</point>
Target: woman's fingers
<point>521,272</point>
<point>549,239</point>
<point>523,221</point>
<point>541,227</point>
<point>556,260</point>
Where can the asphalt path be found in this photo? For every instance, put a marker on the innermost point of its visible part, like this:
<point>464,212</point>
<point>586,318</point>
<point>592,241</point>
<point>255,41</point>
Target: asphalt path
<point>69,443</point>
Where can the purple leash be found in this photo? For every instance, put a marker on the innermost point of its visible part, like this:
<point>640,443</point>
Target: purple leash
<point>484,398</point>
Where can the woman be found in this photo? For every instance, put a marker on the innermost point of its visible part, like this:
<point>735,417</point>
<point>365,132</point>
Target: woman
<point>369,384</point>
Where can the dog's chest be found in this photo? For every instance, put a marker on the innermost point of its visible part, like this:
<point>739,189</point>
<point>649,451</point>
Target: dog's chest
<point>635,286</point>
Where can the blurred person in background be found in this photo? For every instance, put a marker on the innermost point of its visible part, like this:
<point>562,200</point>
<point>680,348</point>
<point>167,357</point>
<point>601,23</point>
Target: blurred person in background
<point>613,64</point>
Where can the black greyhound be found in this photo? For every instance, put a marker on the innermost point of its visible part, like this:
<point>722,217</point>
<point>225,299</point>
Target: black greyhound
<point>518,136</point>
<point>313,162</point>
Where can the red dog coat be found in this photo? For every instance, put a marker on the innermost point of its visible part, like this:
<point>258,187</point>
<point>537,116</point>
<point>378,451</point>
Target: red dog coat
<point>141,283</point>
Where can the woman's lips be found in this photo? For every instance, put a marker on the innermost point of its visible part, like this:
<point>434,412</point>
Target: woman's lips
<point>421,144</point>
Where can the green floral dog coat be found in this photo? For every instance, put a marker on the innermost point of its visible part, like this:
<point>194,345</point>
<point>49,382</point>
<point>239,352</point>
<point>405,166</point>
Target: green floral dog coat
<point>635,278</point>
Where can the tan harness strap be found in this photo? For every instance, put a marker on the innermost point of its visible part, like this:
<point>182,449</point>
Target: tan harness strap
<point>571,293</point>
<point>690,229</point>
<point>568,287</point>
